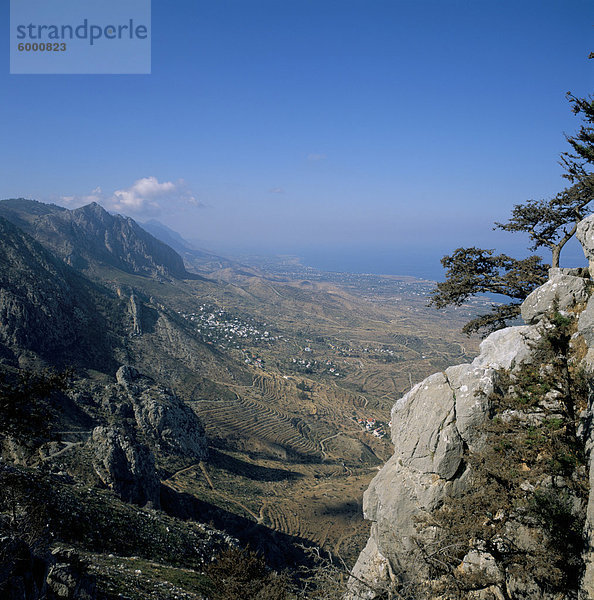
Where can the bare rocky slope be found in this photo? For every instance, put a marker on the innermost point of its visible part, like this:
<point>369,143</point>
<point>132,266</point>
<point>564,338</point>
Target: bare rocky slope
<point>81,454</point>
<point>47,309</point>
<point>487,494</point>
<point>89,234</point>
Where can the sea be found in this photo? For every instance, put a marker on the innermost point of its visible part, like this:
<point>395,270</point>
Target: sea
<point>422,261</point>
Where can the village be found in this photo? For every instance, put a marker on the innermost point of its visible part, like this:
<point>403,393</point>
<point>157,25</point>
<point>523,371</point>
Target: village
<point>253,359</point>
<point>312,366</point>
<point>219,327</point>
<point>374,427</point>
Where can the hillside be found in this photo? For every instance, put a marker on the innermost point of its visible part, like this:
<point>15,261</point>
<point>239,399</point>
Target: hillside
<point>287,381</point>
<point>51,311</point>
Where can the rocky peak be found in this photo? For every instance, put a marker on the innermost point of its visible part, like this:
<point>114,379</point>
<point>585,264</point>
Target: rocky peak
<point>90,234</point>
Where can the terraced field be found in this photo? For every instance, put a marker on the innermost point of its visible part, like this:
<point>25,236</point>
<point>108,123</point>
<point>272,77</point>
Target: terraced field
<point>287,452</point>
<point>310,501</point>
<point>251,420</point>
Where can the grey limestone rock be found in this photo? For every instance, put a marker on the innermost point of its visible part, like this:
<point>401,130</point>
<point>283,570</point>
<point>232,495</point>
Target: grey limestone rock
<point>166,420</point>
<point>125,466</point>
<point>586,323</point>
<point>574,271</point>
<point>423,428</point>
<point>433,427</point>
<point>585,235</point>
<point>586,331</point>
<point>563,290</point>
<point>587,584</point>
<point>506,348</point>
<point>471,387</point>
<point>371,572</point>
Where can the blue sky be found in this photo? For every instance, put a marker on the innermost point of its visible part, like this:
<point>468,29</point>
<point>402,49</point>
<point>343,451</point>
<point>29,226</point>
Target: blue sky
<point>401,128</point>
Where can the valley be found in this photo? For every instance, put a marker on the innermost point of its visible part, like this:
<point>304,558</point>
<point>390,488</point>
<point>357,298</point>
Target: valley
<point>290,375</point>
<point>316,356</point>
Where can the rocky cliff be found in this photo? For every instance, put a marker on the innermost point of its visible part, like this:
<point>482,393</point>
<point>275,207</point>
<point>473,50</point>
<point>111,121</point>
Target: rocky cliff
<point>487,493</point>
<point>48,309</point>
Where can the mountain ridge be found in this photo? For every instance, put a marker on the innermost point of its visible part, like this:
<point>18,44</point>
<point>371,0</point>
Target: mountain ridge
<point>89,235</point>
<point>47,307</point>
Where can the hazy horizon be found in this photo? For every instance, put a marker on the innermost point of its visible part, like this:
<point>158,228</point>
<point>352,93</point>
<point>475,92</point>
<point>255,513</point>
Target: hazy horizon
<point>353,132</point>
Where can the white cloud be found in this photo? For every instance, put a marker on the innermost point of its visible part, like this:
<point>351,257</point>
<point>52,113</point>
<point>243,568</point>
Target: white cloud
<point>316,157</point>
<point>277,190</point>
<point>145,197</point>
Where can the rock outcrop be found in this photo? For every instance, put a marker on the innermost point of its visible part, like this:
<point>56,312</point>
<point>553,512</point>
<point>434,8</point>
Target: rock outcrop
<point>165,420</point>
<point>125,466</point>
<point>67,577</point>
<point>439,432</point>
<point>433,426</point>
<point>563,289</point>
<point>134,311</point>
<point>149,419</point>
<point>585,235</point>
<point>29,575</point>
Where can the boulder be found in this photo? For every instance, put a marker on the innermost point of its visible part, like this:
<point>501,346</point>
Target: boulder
<point>506,348</point>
